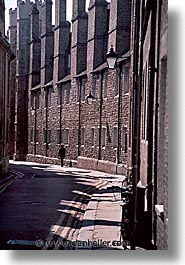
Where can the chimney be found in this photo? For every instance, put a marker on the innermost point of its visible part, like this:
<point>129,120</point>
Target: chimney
<point>120,25</point>
<point>97,33</point>
<point>79,38</point>
<point>35,48</point>
<point>47,43</point>
<point>61,41</point>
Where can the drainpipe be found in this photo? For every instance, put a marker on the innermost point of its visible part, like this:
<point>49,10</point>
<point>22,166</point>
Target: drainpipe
<point>151,71</point>
<point>79,116</point>
<point>60,139</point>
<point>156,123</point>
<point>119,115</point>
<point>47,122</point>
<point>35,125</point>
<point>4,107</point>
<point>135,123</point>
<point>101,111</point>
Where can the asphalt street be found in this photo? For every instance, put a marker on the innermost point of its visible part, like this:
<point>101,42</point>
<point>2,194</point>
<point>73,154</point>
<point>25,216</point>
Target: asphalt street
<point>42,204</point>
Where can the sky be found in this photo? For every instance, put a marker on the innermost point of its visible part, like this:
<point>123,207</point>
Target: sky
<point>13,3</point>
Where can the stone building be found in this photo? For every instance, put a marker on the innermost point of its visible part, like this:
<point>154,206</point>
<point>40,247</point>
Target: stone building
<point>148,127</point>
<point>6,55</point>
<point>66,63</point>
<point>124,130</point>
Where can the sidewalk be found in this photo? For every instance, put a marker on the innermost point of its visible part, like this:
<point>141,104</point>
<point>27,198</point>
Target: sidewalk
<point>102,219</point>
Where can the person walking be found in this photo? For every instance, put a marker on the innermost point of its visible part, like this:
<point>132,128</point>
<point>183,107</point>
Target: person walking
<point>62,154</point>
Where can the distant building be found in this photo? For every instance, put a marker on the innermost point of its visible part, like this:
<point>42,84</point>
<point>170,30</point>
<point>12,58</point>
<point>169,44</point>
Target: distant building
<point>6,55</point>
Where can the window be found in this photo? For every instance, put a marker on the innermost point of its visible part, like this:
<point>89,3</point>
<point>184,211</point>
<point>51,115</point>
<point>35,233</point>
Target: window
<point>48,93</point>
<point>145,83</point>
<point>37,99</point>
<point>37,136</point>
<point>82,136</point>
<point>94,86</point>
<point>31,135</point>
<point>83,90</point>
<point>60,97</point>
<point>126,80</point>
<point>69,61</point>
<point>103,141</point>
<point>125,139</point>
<point>115,137</point>
<point>78,90</point>
<point>47,136</point>
<point>98,133</point>
<point>59,136</point>
<point>116,91</point>
<point>32,99</point>
<point>68,90</point>
<point>105,81</point>
<point>67,136</point>
<point>81,94</point>
<point>92,136</point>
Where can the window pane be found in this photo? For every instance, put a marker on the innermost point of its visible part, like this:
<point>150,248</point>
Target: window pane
<point>67,136</point>
<point>31,135</point>
<point>126,80</point>
<point>115,137</point>
<point>83,90</point>
<point>103,137</point>
<point>37,136</point>
<point>58,136</point>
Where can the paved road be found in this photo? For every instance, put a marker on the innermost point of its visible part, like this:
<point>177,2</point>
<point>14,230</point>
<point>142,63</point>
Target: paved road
<point>44,202</point>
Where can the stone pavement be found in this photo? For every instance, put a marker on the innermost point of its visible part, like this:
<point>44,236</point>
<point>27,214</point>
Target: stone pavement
<point>102,220</point>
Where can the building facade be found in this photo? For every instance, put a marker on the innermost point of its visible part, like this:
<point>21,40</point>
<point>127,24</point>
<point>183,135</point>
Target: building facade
<point>148,128</point>
<point>60,66</point>
<point>6,55</point>
<point>125,129</point>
